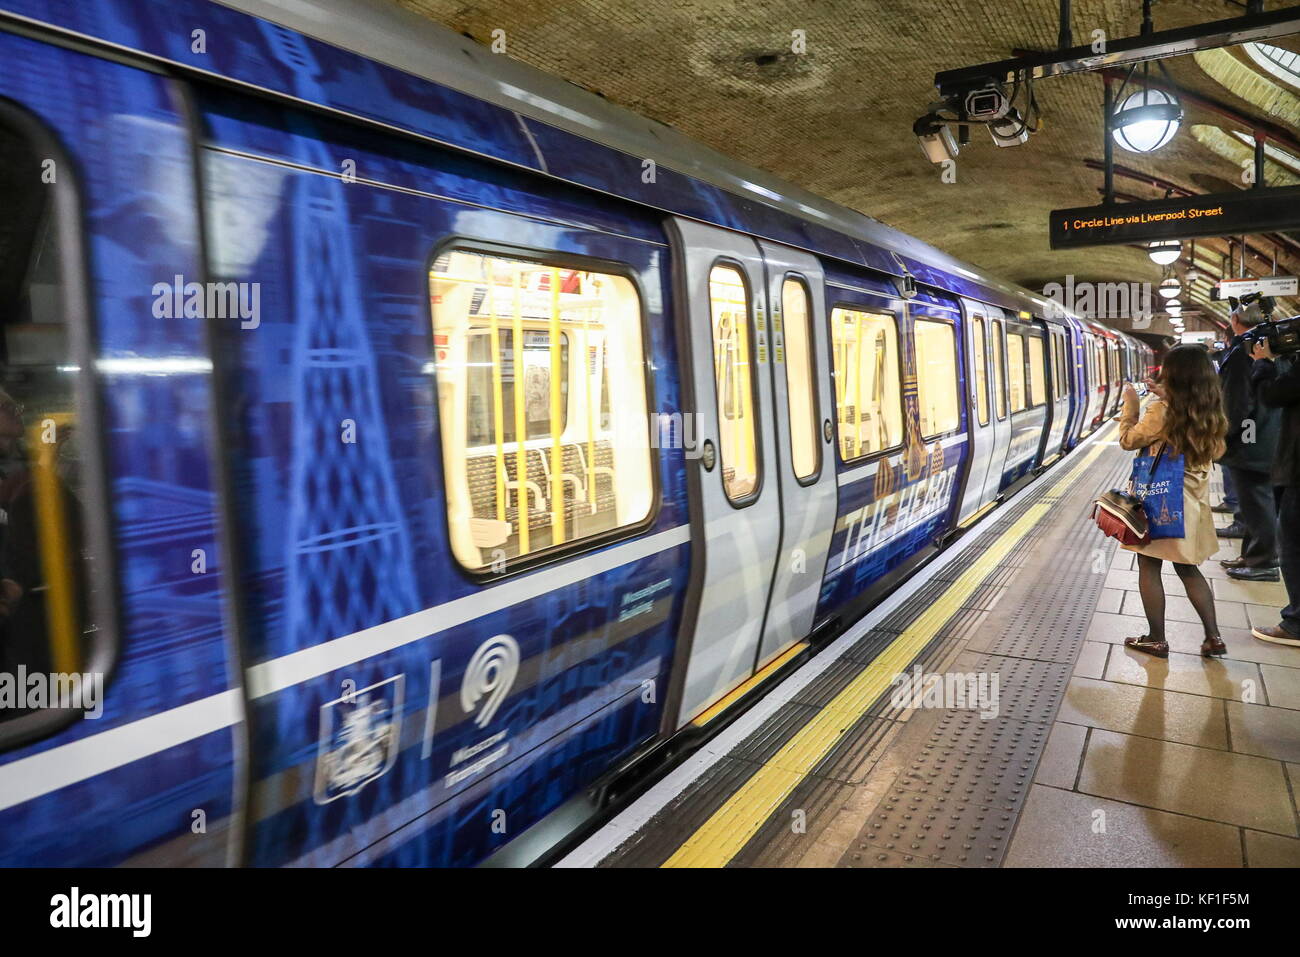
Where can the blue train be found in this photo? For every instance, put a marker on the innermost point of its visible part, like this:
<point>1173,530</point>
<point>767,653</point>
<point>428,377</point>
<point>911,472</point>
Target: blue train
<point>402,448</point>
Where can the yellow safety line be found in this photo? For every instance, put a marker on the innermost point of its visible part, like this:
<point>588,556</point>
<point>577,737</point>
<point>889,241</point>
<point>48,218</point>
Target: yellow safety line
<point>738,692</point>
<point>730,828</point>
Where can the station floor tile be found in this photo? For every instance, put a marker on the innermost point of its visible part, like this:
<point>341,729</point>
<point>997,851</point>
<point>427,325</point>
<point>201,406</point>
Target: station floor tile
<point>1149,712</point>
<point>1267,732</point>
<point>1282,684</point>
<point>1214,785</point>
<point>1066,829</point>
<point>1191,674</point>
<point>1091,662</point>
<point>1059,766</point>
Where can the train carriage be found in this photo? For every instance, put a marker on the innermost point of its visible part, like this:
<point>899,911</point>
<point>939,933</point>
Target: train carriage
<point>430,462</point>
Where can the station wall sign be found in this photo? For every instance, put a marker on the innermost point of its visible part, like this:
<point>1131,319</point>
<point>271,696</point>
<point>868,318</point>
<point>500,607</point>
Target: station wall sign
<point>1265,285</point>
<point>1188,217</point>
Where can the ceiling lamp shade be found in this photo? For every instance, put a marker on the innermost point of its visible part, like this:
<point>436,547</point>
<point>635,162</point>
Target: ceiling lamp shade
<point>1170,287</point>
<point>1165,251</point>
<point>1146,120</point>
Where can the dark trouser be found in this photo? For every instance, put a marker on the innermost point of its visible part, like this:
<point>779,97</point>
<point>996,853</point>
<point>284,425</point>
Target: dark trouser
<point>1288,517</point>
<point>1258,509</point>
<point>1229,492</point>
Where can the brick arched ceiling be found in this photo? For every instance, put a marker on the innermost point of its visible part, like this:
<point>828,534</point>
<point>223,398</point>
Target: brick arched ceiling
<point>837,118</point>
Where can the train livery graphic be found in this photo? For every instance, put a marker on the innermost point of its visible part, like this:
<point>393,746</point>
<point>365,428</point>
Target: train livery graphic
<point>380,561</point>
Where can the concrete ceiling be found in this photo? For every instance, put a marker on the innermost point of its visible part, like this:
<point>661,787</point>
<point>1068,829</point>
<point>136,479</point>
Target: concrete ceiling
<point>837,118</point>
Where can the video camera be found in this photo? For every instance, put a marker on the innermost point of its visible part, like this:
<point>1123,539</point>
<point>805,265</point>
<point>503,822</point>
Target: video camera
<point>1282,336</point>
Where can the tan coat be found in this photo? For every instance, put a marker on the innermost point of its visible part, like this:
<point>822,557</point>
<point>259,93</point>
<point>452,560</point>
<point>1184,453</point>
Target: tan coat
<point>1199,541</point>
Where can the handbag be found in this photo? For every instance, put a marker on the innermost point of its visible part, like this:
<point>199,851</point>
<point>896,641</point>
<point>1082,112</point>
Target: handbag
<point>1122,515</point>
<point>1158,482</point>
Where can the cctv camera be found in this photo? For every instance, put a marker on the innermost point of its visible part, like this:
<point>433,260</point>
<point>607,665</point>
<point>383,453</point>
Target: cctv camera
<point>1010,130</point>
<point>987,104</point>
<point>937,142</point>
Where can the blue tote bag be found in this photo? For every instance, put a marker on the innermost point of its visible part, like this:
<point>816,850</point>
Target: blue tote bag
<point>1158,482</point>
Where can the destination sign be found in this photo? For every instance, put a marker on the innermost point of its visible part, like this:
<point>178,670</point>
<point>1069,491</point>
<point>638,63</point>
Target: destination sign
<point>1265,285</point>
<point>1188,217</point>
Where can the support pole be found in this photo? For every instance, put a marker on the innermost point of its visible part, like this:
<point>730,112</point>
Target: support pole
<point>1064,40</point>
<point>1108,142</point>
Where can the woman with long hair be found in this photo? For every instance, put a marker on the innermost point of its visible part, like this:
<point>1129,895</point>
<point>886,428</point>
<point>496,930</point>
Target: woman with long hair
<point>1186,416</point>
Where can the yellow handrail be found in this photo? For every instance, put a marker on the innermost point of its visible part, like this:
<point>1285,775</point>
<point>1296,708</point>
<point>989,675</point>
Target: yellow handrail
<point>521,453</point>
<point>857,388</point>
<point>591,421</point>
<point>557,450</point>
<point>498,413</point>
<point>56,560</point>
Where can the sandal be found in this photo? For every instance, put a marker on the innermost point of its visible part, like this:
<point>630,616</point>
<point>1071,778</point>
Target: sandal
<point>1212,647</point>
<point>1159,649</point>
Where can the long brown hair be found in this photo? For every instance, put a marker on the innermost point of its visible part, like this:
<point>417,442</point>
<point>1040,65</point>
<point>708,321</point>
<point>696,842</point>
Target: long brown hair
<point>1195,423</point>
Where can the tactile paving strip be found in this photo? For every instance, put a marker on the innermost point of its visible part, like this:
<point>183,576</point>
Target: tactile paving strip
<point>969,760</point>
<point>936,829</point>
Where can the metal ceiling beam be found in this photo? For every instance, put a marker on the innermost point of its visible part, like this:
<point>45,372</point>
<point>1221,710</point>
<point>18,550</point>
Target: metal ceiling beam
<point>1126,52</point>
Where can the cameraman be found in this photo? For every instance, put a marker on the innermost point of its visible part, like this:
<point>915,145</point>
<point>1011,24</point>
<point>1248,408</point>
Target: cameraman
<point>1280,388</point>
<point>1253,430</point>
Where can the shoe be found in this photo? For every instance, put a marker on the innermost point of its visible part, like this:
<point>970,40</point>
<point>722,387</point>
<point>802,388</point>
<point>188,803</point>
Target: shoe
<point>1223,508</point>
<point>1246,573</point>
<point>1278,635</point>
<point>1235,530</point>
<point>1157,649</point>
<point>1233,562</point>
<point>1213,647</point>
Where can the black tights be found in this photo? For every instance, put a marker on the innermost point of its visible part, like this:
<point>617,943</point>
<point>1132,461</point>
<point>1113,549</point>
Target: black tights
<point>1153,596</point>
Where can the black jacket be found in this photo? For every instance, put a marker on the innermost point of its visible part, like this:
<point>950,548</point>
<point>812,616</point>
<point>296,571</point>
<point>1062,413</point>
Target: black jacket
<point>1242,406</point>
<point>1277,384</point>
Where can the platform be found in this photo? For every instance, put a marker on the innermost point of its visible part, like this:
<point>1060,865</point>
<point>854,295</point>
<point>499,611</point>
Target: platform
<point>1096,755</point>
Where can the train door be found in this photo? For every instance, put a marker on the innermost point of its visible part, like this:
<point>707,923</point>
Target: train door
<point>983,422</point>
<point>1059,392</point>
<point>1001,410</point>
<point>801,390</point>
<point>736,506</point>
<point>115,541</point>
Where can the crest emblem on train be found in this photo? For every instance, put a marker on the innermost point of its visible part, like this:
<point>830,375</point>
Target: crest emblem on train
<point>359,738</point>
<point>489,677</point>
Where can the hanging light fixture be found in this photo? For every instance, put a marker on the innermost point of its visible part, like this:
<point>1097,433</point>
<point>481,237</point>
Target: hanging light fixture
<point>1169,287</point>
<point>1147,118</point>
<point>1165,251</point>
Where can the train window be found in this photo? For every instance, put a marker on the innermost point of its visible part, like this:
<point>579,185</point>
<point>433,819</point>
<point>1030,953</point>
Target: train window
<point>542,404</point>
<point>868,396</point>
<point>999,376</point>
<point>936,377</point>
<point>1059,379</point>
<point>53,625</point>
<point>981,371</point>
<point>729,303</point>
<point>796,323</point>
<point>1037,372</point>
<point>1016,370</point>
